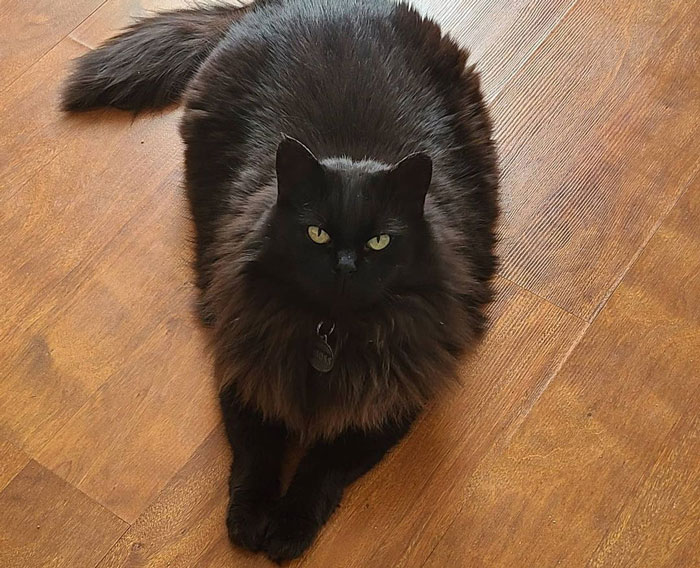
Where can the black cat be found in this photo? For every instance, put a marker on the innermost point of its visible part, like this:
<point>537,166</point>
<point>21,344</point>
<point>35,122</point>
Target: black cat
<point>343,184</point>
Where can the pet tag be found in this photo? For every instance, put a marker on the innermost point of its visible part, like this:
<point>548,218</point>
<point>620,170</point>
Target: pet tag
<point>322,356</point>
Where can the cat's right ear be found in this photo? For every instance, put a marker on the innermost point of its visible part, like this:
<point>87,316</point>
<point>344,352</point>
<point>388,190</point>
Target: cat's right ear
<point>298,171</point>
<point>410,180</point>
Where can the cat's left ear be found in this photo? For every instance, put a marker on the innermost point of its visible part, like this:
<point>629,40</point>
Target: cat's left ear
<point>410,180</point>
<point>298,170</point>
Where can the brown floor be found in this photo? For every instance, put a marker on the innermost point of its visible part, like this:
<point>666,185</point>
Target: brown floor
<point>574,441</point>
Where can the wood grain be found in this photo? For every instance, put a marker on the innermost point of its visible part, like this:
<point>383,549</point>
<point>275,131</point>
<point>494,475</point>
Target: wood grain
<point>30,29</point>
<point>500,34</point>
<point>46,522</point>
<point>598,135</point>
<point>185,524</point>
<point>159,401</point>
<point>12,461</point>
<point>588,470</point>
<point>661,526</point>
<point>54,227</point>
<point>33,131</point>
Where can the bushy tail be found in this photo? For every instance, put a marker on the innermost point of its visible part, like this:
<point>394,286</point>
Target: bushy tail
<point>150,63</point>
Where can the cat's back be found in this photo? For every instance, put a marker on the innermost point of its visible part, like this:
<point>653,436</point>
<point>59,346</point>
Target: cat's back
<point>362,78</point>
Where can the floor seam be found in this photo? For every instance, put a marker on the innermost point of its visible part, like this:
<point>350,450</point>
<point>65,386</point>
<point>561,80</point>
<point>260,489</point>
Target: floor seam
<point>638,253</point>
<point>111,546</point>
<point>79,41</point>
<point>544,299</point>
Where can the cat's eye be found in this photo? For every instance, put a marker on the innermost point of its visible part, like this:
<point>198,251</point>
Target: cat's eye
<point>379,242</point>
<point>318,235</point>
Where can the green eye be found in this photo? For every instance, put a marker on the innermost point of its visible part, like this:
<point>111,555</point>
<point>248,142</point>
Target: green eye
<point>379,242</point>
<point>318,235</point>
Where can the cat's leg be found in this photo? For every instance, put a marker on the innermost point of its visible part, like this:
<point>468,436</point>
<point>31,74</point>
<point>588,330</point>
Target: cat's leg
<point>254,486</point>
<point>318,485</point>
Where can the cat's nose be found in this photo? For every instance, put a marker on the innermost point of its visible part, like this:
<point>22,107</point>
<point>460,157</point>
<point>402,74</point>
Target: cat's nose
<point>347,262</point>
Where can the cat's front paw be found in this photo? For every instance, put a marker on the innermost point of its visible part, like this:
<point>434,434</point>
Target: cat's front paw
<point>248,522</point>
<point>290,533</point>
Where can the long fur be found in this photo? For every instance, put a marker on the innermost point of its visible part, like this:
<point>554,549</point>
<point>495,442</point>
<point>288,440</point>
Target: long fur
<point>149,64</point>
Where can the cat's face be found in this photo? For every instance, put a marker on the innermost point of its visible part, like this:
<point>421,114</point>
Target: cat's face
<point>346,233</point>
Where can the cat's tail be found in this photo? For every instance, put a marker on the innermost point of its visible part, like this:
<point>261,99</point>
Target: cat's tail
<point>150,63</point>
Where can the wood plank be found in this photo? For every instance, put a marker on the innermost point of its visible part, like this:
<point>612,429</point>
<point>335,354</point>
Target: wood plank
<point>500,34</point>
<point>153,399</point>
<point>28,117</point>
<point>56,222</point>
<point>586,453</point>
<point>671,493</point>
<point>186,521</point>
<point>598,137</point>
<point>46,522</point>
<point>31,29</point>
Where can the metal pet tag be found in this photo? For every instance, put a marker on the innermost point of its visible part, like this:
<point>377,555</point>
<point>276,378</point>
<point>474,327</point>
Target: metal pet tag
<point>322,356</point>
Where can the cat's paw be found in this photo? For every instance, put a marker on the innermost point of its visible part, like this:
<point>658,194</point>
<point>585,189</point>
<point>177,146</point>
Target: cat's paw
<point>289,534</point>
<point>247,523</point>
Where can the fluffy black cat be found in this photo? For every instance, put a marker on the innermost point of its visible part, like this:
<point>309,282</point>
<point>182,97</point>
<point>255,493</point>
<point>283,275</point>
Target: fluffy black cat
<point>343,184</point>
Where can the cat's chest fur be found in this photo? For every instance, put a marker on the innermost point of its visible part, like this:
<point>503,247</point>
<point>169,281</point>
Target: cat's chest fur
<point>378,373</point>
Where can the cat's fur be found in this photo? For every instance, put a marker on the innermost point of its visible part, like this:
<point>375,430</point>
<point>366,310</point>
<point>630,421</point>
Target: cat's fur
<point>388,112</point>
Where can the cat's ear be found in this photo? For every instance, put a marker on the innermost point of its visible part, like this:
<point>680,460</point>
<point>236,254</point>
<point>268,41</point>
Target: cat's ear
<point>298,170</point>
<point>410,180</point>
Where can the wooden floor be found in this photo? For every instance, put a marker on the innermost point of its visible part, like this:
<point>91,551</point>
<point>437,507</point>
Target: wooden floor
<point>575,438</point>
